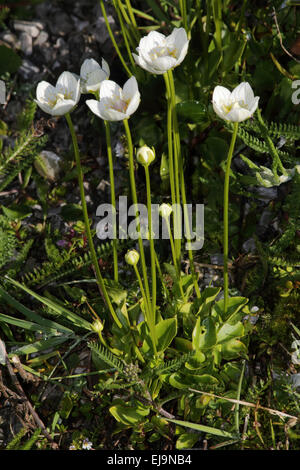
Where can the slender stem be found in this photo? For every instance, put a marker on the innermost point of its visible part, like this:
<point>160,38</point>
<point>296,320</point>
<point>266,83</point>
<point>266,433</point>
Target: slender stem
<point>152,249</point>
<point>177,267</point>
<point>113,197</point>
<point>125,34</point>
<point>226,206</point>
<point>87,223</point>
<point>134,198</point>
<point>148,315</point>
<point>111,34</point>
<point>131,15</point>
<point>182,6</point>
<point>171,143</point>
<point>182,182</point>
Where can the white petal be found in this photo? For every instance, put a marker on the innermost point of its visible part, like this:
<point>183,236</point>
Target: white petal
<point>219,111</point>
<point>110,89</point>
<point>44,107</point>
<point>94,106</point>
<point>254,105</point>
<point>134,104</point>
<point>152,40</point>
<point>182,54</point>
<point>63,107</point>
<point>221,95</point>
<point>143,64</point>
<point>238,115</point>
<point>110,114</point>
<point>162,64</point>
<point>105,67</point>
<point>243,92</point>
<point>88,66</point>
<point>67,83</point>
<point>130,88</point>
<point>178,38</point>
<point>94,80</point>
<point>45,91</point>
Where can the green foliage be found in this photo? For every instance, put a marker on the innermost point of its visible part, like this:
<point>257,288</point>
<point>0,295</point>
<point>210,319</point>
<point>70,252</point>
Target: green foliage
<point>20,157</point>
<point>8,241</point>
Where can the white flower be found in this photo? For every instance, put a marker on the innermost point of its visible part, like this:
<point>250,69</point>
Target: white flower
<point>92,75</point>
<point>158,53</point>
<point>145,155</point>
<point>235,106</point>
<point>116,104</point>
<point>60,99</point>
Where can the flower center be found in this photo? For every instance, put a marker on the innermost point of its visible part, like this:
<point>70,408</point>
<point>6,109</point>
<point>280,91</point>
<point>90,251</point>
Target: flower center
<point>59,96</point>
<point>163,51</point>
<point>119,104</point>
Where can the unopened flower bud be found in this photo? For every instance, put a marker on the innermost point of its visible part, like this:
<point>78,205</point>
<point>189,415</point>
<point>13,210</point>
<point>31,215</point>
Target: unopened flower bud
<point>132,257</point>
<point>165,210</point>
<point>97,326</point>
<point>145,155</point>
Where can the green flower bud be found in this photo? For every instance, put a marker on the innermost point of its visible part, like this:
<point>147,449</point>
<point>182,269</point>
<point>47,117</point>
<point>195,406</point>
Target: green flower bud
<point>145,155</point>
<point>165,210</point>
<point>132,257</point>
<point>97,326</point>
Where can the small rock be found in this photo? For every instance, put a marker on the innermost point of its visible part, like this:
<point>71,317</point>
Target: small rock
<point>28,69</point>
<point>10,38</point>
<point>26,43</point>
<point>41,39</point>
<point>30,27</point>
<point>48,165</point>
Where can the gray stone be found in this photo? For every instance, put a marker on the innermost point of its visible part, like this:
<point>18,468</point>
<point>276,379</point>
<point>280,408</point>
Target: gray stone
<point>28,69</point>
<point>10,39</point>
<point>33,28</point>
<point>41,39</point>
<point>26,43</point>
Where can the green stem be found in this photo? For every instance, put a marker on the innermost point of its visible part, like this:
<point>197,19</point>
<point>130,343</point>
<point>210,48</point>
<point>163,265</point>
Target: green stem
<point>87,223</point>
<point>148,314</point>
<point>134,199</point>
<point>113,197</point>
<point>182,6</point>
<point>125,34</point>
<point>226,207</point>
<point>182,182</point>
<point>152,249</point>
<point>111,34</point>
<point>170,142</point>
<point>177,267</point>
<point>176,217</point>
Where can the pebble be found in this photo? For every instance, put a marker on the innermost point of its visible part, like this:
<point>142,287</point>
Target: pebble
<point>26,43</point>
<point>28,69</point>
<point>41,39</point>
<point>10,38</point>
<point>32,28</point>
